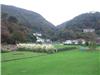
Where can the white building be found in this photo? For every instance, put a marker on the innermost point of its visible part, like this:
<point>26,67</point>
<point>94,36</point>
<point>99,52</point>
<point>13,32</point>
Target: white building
<point>71,42</point>
<point>88,30</point>
<point>68,42</point>
<point>37,34</point>
<point>77,41</point>
<point>41,40</point>
<point>38,37</point>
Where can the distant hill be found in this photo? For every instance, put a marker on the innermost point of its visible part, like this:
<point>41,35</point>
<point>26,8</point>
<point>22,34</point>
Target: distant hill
<point>18,20</point>
<point>71,28</point>
<point>17,25</point>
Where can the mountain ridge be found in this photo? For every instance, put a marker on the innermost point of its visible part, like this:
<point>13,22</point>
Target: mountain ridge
<point>74,27</point>
<point>19,21</point>
<point>33,21</point>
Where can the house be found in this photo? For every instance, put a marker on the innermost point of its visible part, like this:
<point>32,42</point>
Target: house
<point>71,42</point>
<point>68,42</point>
<point>88,30</point>
<point>38,37</point>
<point>41,40</point>
<point>77,41</point>
<point>37,34</point>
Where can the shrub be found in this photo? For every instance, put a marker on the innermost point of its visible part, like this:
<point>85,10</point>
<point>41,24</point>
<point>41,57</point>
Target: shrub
<point>37,48</point>
<point>66,48</point>
<point>92,45</point>
<point>5,51</point>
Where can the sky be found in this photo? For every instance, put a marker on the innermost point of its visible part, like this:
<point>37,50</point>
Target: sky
<point>57,11</point>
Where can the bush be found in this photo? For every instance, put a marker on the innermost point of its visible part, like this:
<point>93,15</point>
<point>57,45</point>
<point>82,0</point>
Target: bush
<point>66,48</point>
<point>37,48</point>
<point>92,45</point>
<point>5,51</point>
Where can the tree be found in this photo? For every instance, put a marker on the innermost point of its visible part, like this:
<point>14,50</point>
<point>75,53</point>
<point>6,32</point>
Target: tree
<point>33,38</point>
<point>91,38</point>
<point>12,19</point>
<point>18,36</point>
<point>4,15</point>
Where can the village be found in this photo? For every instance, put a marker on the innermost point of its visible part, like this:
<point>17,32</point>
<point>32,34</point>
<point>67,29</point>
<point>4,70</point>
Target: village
<point>68,41</point>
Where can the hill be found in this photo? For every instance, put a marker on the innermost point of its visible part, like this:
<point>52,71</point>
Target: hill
<point>17,22</point>
<point>73,28</point>
<point>17,25</point>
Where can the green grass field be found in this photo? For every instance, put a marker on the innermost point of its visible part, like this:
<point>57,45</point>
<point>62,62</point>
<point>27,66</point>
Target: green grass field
<point>72,62</point>
<point>15,55</point>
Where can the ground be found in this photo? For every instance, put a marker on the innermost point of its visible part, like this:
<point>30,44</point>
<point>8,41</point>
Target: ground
<point>74,62</point>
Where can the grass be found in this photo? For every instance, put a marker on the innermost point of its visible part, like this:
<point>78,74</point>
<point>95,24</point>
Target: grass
<point>63,46</point>
<point>72,62</point>
<point>18,55</point>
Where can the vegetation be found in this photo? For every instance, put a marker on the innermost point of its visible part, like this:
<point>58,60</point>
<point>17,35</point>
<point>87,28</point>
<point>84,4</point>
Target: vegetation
<point>26,58</point>
<point>62,63</point>
<point>24,23</point>
<point>90,37</point>
<point>12,32</point>
<point>73,29</point>
<point>17,55</point>
<point>37,48</point>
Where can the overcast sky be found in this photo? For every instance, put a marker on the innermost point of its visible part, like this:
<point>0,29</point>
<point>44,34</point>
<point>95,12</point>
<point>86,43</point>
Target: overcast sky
<point>56,11</point>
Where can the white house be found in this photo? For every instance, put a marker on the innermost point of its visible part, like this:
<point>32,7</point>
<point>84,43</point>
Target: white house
<point>77,41</point>
<point>38,37</point>
<point>68,42</point>
<point>37,34</point>
<point>39,40</point>
<point>71,42</point>
<point>88,30</point>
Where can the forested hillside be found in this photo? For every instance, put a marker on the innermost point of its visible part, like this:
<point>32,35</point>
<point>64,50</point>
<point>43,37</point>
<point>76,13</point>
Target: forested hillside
<point>73,28</point>
<point>19,24</point>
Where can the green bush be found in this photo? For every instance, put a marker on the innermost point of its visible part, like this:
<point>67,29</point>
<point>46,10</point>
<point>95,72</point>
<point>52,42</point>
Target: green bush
<point>66,48</point>
<point>92,45</point>
<point>5,51</point>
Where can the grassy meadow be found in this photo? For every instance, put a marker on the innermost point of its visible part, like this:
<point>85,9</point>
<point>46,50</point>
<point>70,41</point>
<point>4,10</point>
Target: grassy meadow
<point>71,62</point>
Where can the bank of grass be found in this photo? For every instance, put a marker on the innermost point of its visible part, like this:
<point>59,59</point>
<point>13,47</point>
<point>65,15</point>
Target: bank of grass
<point>74,62</point>
<point>15,55</point>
